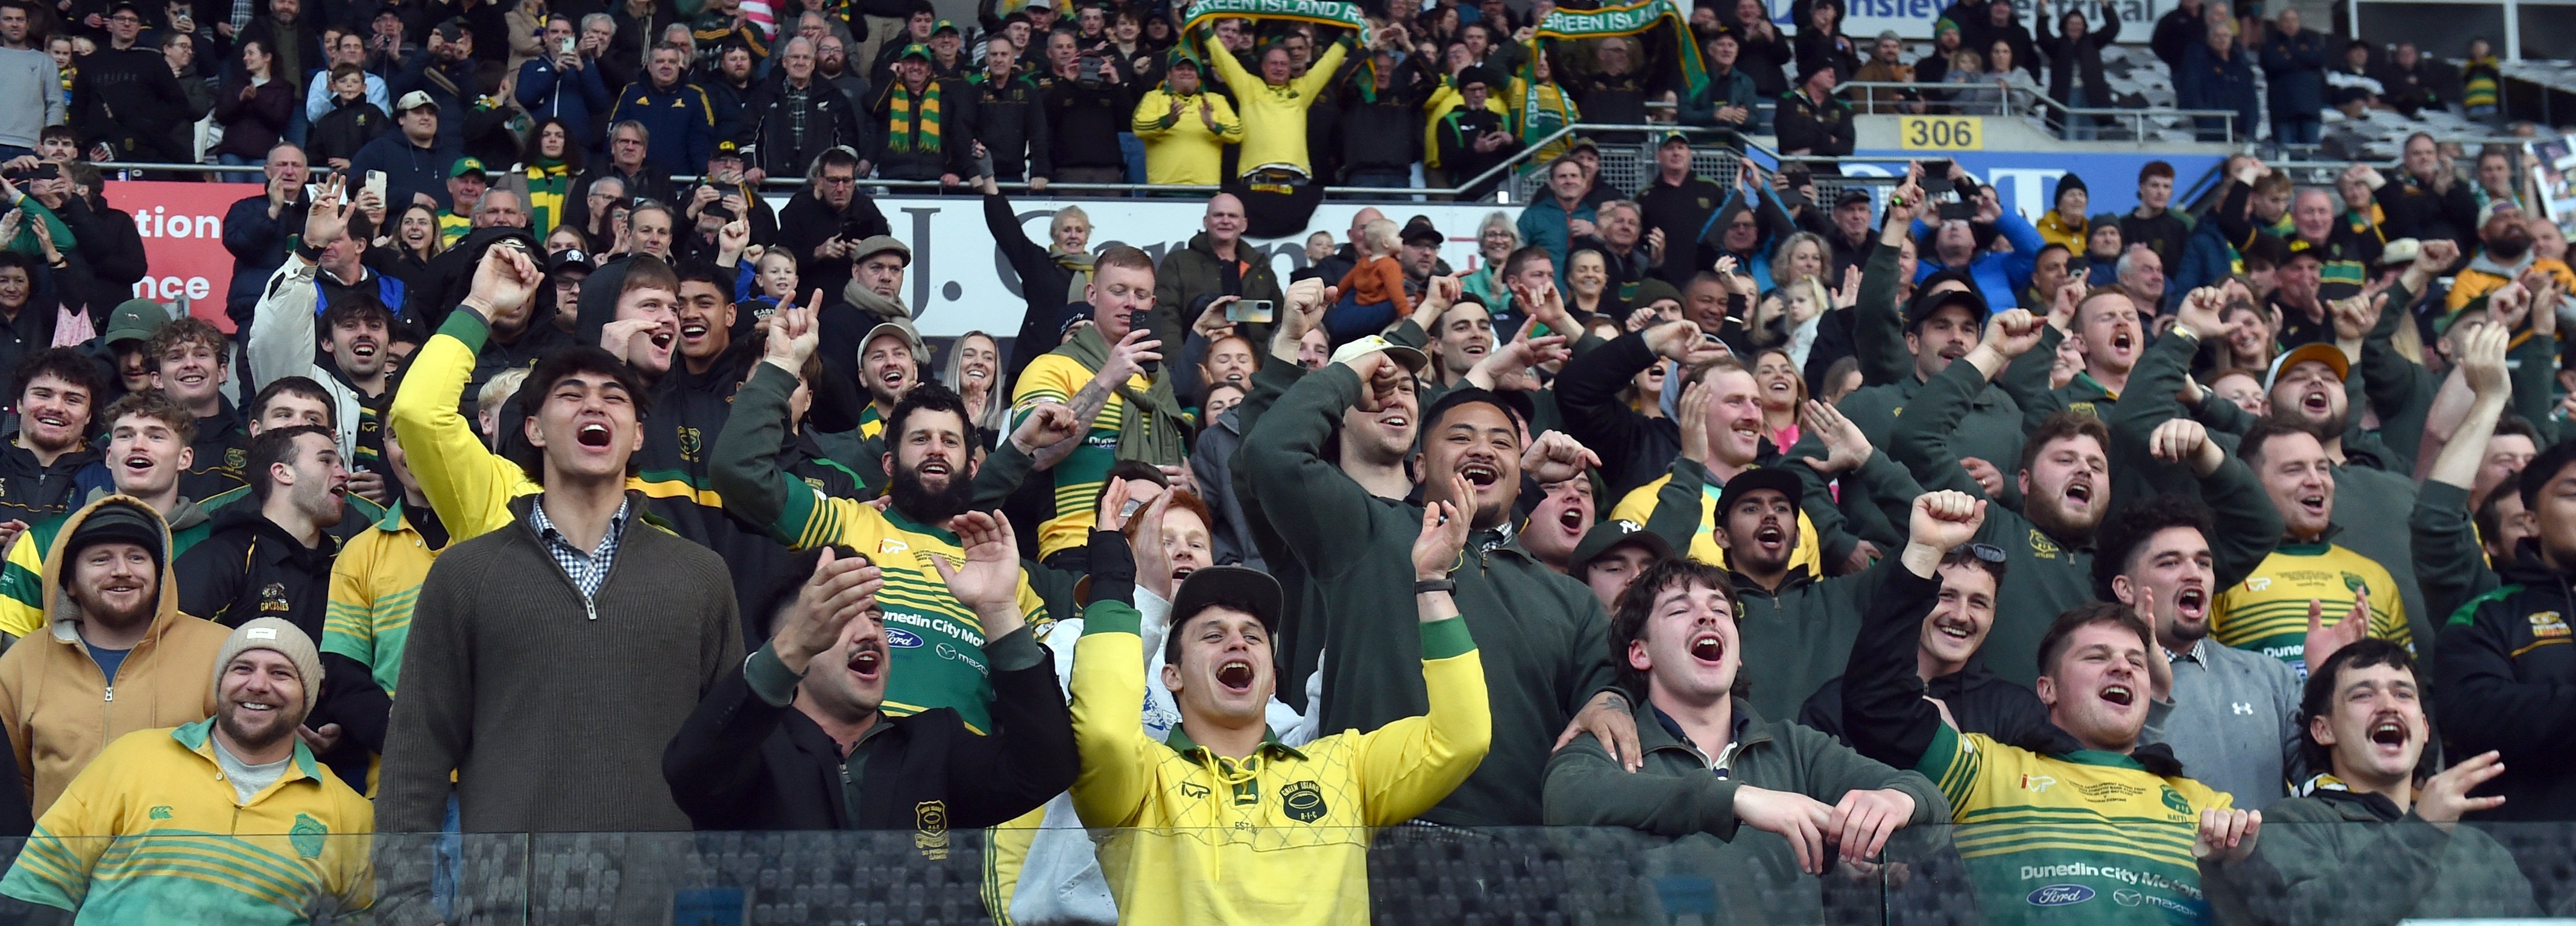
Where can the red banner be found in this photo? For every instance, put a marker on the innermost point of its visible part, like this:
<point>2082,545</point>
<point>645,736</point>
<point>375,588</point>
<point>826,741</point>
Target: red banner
<point>182,225</point>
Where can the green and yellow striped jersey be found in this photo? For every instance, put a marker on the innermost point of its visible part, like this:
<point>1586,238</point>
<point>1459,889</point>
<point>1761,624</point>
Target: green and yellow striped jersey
<point>1055,378</point>
<point>936,643</point>
<point>2087,837</point>
<point>2268,612</point>
<point>150,832</point>
<point>375,581</point>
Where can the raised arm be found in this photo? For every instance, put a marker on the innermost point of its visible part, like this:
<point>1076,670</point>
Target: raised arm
<point>2449,567</point>
<point>1108,711</point>
<point>1406,767</point>
<point>1878,322</point>
<point>1310,502</point>
<point>1884,714</point>
<point>468,485</point>
<point>1921,439</point>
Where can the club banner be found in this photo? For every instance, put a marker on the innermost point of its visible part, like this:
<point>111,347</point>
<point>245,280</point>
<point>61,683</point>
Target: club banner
<point>1647,18</point>
<point>182,226</point>
<point>1319,12</point>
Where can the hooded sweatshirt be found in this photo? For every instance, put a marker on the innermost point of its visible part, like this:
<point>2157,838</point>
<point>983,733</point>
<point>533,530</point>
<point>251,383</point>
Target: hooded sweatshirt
<point>57,703</point>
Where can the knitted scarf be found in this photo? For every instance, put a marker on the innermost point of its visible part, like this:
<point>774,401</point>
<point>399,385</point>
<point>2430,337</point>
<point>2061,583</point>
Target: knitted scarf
<point>904,109</point>
<point>867,300</point>
<point>1078,268</point>
<point>1544,108</point>
<point>1205,13</point>
<point>1659,23</point>
<point>1153,430</point>
<point>548,181</point>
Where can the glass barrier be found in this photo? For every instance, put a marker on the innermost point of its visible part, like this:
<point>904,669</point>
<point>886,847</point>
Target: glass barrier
<point>2301,874</point>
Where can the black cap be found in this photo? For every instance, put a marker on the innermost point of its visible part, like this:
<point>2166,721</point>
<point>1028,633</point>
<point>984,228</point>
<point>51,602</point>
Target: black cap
<point>1852,195</point>
<point>1479,74</point>
<point>1930,302</point>
<point>116,520</point>
<point>1611,535</point>
<point>1228,585</point>
<point>451,30</point>
<point>572,259</point>
<point>1776,478</point>
<point>1418,230</point>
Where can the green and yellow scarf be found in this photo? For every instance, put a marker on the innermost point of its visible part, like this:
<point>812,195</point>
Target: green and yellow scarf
<point>548,181</point>
<point>904,110</point>
<point>1642,18</point>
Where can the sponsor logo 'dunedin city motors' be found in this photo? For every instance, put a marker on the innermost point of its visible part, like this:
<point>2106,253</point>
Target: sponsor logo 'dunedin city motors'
<point>2060,895</point>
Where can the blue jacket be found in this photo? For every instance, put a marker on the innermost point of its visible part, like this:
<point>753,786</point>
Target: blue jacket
<point>2206,259</point>
<point>408,169</point>
<point>1998,276</point>
<point>2294,74</point>
<point>1543,224</point>
<point>576,98</point>
<point>2208,82</point>
<point>681,122</point>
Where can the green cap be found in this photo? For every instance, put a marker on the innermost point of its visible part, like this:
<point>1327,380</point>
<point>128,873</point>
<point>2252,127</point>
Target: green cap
<point>468,166</point>
<point>944,26</point>
<point>134,320</point>
<point>914,50</point>
<point>1181,54</point>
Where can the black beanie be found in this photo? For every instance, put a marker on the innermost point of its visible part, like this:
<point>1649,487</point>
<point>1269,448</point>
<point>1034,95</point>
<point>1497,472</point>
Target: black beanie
<point>2065,183</point>
<point>116,520</point>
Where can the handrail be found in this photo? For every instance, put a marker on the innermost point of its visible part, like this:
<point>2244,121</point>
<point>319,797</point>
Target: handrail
<point>2019,101</point>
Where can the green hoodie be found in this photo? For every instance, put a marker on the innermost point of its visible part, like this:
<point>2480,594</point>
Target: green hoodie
<point>1543,637</point>
<point>1691,839</point>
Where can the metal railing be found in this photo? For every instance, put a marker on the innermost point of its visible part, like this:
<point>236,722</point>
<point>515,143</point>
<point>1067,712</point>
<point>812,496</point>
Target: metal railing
<point>2005,99</point>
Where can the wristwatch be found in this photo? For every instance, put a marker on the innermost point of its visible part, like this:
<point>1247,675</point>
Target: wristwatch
<point>1427,586</point>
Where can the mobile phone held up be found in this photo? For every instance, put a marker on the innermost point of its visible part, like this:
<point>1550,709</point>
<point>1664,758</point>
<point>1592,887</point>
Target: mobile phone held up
<point>1139,321</point>
<point>1255,311</point>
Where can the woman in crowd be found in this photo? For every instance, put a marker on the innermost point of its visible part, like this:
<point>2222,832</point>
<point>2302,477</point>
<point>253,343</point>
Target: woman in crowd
<point>1050,276</point>
<point>2014,85</point>
<point>974,372</point>
<point>1766,55</point>
<point>254,108</point>
<point>414,240</point>
<point>2075,61</point>
<point>1645,391</point>
<point>1587,281</point>
<point>1801,255</point>
<point>544,177</point>
<point>1781,392</point>
<point>2249,344</point>
<point>567,237</point>
<point>1496,238</point>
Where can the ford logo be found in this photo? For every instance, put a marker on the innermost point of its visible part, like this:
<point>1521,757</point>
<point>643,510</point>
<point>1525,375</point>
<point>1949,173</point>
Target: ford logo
<point>2060,895</point>
<point>900,638</point>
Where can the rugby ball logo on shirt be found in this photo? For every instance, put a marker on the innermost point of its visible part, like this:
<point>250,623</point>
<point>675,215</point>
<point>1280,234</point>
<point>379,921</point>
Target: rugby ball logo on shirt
<point>2060,895</point>
<point>899,638</point>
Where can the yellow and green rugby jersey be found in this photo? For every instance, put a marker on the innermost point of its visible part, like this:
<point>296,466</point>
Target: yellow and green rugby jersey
<point>1639,505</point>
<point>937,644</point>
<point>375,581</point>
<point>2087,837</point>
<point>1055,378</point>
<point>22,579</point>
<point>2268,612</point>
<point>150,833</point>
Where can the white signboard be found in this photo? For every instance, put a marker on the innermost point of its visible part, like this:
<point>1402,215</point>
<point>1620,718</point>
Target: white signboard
<point>1912,19</point>
<point>958,281</point>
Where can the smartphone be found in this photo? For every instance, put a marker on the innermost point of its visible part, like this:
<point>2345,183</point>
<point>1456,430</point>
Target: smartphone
<point>376,184</point>
<point>564,47</point>
<point>49,171</point>
<point>1959,212</point>
<point>1256,311</point>
<point>1137,321</point>
<point>312,191</point>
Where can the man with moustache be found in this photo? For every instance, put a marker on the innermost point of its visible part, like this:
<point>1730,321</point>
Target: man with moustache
<point>2100,671</point>
<point>131,832</point>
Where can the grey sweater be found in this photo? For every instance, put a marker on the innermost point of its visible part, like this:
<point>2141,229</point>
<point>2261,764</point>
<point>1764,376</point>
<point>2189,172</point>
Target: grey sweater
<point>553,722</point>
<point>31,96</point>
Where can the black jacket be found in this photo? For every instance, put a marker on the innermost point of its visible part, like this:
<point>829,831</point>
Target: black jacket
<point>110,250</point>
<point>1044,284</point>
<point>1980,700</point>
<point>1382,126</point>
<point>925,155</point>
<point>807,222</point>
<point>31,491</point>
<point>2507,676</point>
<point>2177,30</point>
<point>348,127</point>
<point>1821,130</point>
<point>2071,57</point>
<point>747,760</point>
<point>249,567</point>
<point>829,121</point>
<point>148,101</point>
<point>1084,122</point>
<point>642,185</point>
<point>1011,121</point>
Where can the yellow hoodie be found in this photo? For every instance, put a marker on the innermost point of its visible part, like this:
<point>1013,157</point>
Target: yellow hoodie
<point>1274,118</point>
<point>1181,149</point>
<point>57,704</point>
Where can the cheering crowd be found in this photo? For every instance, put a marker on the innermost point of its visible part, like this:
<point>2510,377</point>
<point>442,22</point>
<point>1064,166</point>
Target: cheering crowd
<point>2153,566</point>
